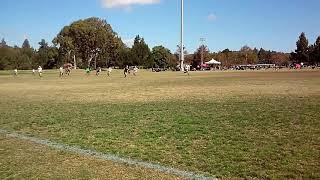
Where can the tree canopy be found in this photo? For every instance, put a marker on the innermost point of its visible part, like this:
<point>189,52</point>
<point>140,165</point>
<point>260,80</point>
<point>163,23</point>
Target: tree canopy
<point>306,53</point>
<point>162,57</point>
<point>89,39</point>
<point>26,44</point>
<point>140,53</point>
<point>3,43</point>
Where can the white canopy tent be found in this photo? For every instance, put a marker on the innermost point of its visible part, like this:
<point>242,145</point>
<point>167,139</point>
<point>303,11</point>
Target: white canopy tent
<point>214,62</point>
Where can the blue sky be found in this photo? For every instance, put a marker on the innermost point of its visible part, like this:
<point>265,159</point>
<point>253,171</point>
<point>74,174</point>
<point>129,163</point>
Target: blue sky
<point>271,24</point>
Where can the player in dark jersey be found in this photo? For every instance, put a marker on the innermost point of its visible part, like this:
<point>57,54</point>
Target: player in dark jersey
<point>125,71</point>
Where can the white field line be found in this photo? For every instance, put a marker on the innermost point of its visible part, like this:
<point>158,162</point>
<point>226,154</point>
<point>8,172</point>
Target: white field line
<point>109,157</point>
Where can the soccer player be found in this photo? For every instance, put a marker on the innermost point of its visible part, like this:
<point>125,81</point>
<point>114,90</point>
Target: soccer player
<point>40,71</point>
<point>61,71</point>
<point>87,71</point>
<point>135,70</point>
<point>187,69</point>
<point>98,70</point>
<point>125,71</point>
<point>15,72</point>
<point>109,71</point>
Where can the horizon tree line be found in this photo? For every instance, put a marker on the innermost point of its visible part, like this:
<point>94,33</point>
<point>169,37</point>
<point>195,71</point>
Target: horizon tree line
<point>92,43</point>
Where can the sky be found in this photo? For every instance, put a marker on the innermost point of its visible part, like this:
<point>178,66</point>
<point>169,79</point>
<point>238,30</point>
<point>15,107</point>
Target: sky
<point>270,24</point>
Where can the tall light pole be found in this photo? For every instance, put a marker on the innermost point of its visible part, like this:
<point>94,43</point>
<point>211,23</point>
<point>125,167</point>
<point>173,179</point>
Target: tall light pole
<point>202,50</point>
<point>181,42</point>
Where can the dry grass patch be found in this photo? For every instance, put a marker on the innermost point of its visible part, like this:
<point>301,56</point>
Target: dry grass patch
<point>149,86</point>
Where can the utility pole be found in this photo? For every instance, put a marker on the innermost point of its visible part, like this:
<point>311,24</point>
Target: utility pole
<point>181,42</point>
<point>202,40</point>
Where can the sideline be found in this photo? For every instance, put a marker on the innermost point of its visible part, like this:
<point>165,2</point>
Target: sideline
<point>109,157</point>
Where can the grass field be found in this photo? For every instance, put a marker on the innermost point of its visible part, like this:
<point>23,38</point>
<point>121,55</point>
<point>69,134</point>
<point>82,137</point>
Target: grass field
<point>26,160</point>
<point>247,124</point>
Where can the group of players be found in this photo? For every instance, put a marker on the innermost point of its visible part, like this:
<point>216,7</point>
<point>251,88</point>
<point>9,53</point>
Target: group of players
<point>67,70</point>
<point>126,71</point>
<point>15,71</point>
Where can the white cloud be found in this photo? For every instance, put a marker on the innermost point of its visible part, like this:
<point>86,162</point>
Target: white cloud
<point>128,42</point>
<point>126,3</point>
<point>212,17</point>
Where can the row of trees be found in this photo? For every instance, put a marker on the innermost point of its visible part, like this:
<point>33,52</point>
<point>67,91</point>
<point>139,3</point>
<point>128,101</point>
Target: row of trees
<point>245,55</point>
<point>89,42</point>
<point>26,57</point>
<point>140,55</point>
<point>92,42</point>
<point>305,52</point>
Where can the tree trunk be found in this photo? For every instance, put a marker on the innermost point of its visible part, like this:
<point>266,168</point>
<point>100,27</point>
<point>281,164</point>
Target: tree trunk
<point>89,60</point>
<point>95,62</point>
<point>74,62</point>
<point>107,62</point>
<point>69,59</point>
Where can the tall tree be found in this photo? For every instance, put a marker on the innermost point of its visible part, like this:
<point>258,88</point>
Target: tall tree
<point>315,52</point>
<point>178,52</point>
<point>47,56</point>
<point>6,57</point>
<point>124,58</point>
<point>200,56</point>
<point>3,43</point>
<point>90,39</point>
<point>42,55</point>
<point>161,56</point>
<point>140,53</point>
<point>26,55</point>
<point>227,53</point>
<point>248,55</point>
<point>302,49</point>
<point>26,44</point>
<point>43,44</point>
<point>264,56</point>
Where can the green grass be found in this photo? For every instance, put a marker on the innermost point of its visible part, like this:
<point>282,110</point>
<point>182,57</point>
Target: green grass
<point>229,124</point>
<point>41,162</point>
